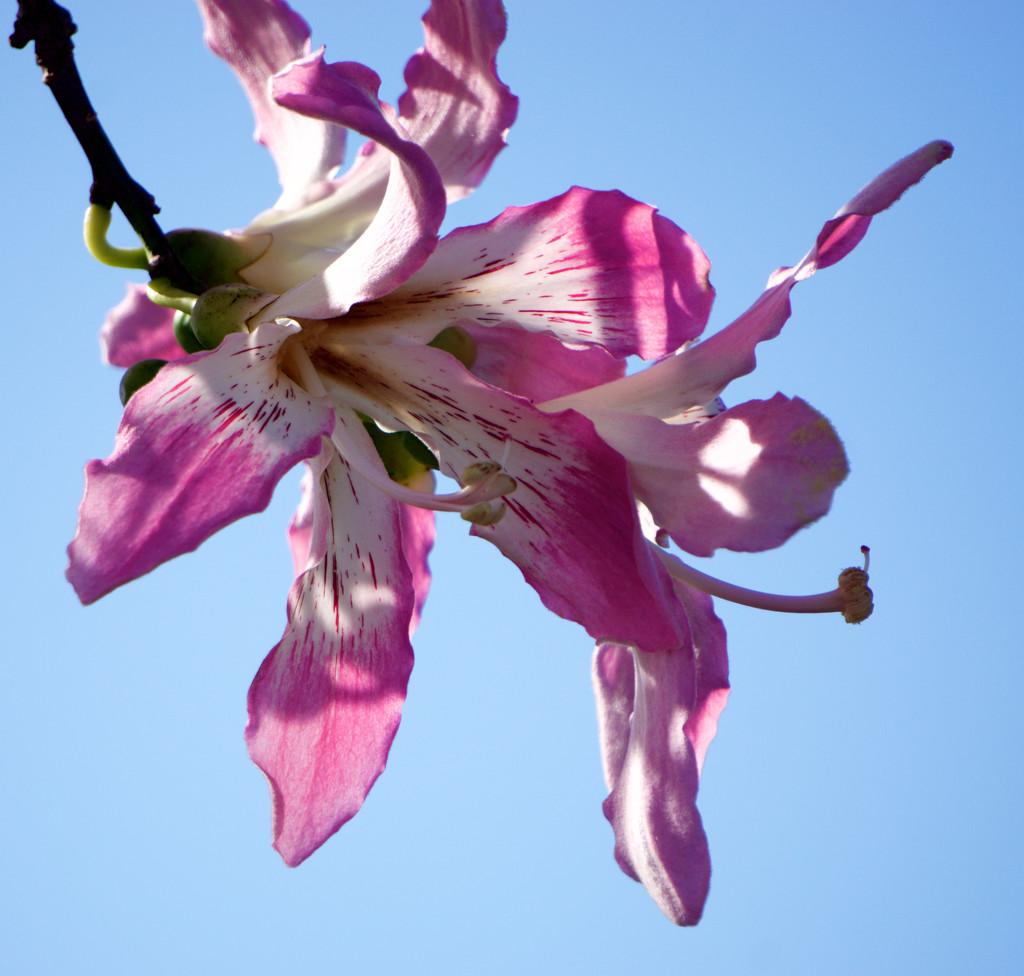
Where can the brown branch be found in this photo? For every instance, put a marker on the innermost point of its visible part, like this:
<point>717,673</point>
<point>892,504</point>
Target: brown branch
<point>50,26</point>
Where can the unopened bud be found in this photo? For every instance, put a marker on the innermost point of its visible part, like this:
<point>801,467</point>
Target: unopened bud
<point>225,309</point>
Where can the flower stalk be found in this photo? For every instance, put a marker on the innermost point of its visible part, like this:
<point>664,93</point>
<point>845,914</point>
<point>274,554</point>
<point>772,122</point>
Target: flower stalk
<point>51,28</point>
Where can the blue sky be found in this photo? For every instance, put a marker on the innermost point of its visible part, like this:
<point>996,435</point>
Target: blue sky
<point>863,796</point>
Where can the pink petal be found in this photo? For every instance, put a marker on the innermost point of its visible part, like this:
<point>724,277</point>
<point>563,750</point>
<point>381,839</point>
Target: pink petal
<point>712,680</point>
<point>538,366</point>
<point>843,232</point>
<point>300,528</point>
<point>403,232</point>
<point>456,107</point>
<point>571,525</point>
<point>418,535</point>
<point>136,329</point>
<point>259,38</point>
<point>613,676</point>
<point>745,479</point>
<point>201,445</point>
<point>589,267</point>
<point>659,838</point>
<point>326,703</point>
<point>697,375</point>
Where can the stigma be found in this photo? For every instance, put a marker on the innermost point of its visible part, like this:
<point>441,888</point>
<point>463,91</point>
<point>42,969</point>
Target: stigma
<point>852,596</point>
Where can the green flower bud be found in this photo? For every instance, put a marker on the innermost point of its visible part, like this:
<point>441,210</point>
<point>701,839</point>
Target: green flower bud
<point>225,309</point>
<point>184,334</point>
<point>405,456</point>
<point>458,342</point>
<point>217,259</point>
<point>137,376</point>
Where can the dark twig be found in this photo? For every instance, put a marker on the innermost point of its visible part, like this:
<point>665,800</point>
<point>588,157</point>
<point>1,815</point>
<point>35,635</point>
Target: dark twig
<point>51,27</point>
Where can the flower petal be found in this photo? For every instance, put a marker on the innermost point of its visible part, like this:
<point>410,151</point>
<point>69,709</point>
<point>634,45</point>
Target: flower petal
<point>201,445</point>
<point>259,38</point>
<point>403,232</point>
<point>613,676</point>
<point>695,376</point>
<point>712,680</point>
<point>300,528</point>
<point>456,107</point>
<point>843,232</point>
<point>589,267</point>
<point>571,524</point>
<point>418,535</point>
<point>538,366</point>
<point>136,329</point>
<point>745,479</point>
<point>659,838</point>
<point>326,703</point>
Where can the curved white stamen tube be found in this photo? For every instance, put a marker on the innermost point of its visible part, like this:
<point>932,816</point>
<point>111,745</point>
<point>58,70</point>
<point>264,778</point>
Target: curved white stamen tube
<point>852,600</point>
<point>490,487</point>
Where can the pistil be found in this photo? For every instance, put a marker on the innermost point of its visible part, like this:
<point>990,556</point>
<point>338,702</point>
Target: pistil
<point>484,482</point>
<point>852,597</point>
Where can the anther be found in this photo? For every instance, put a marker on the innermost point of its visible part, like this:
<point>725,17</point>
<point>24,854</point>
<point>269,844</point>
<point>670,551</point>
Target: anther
<point>485,513</point>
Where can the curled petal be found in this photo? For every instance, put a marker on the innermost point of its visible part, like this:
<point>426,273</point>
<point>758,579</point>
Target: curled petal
<point>659,838</point>
<point>590,267</point>
<point>136,329</point>
<point>403,232</point>
<point>259,38</point>
<point>200,446</point>
<point>326,703</point>
<point>456,107</point>
<point>571,524</point>
<point>697,375</point>
<point>745,479</point>
<point>843,232</point>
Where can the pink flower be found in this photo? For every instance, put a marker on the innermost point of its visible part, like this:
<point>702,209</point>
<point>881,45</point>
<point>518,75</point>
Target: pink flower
<point>357,342</point>
<point>743,478</point>
<point>551,298</point>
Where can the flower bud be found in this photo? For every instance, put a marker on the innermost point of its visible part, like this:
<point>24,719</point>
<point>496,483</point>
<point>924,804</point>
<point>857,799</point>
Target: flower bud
<point>137,376</point>
<point>216,259</point>
<point>223,310</point>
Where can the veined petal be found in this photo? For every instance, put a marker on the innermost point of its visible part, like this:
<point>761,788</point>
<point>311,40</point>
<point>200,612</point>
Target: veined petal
<point>136,329</point>
<point>696,375</point>
<point>589,267</point>
<point>403,232</point>
<point>326,703</point>
<point>745,479</point>
<point>201,445</point>
<point>259,38</point>
<point>571,525</point>
<point>659,838</point>
<point>538,366</point>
